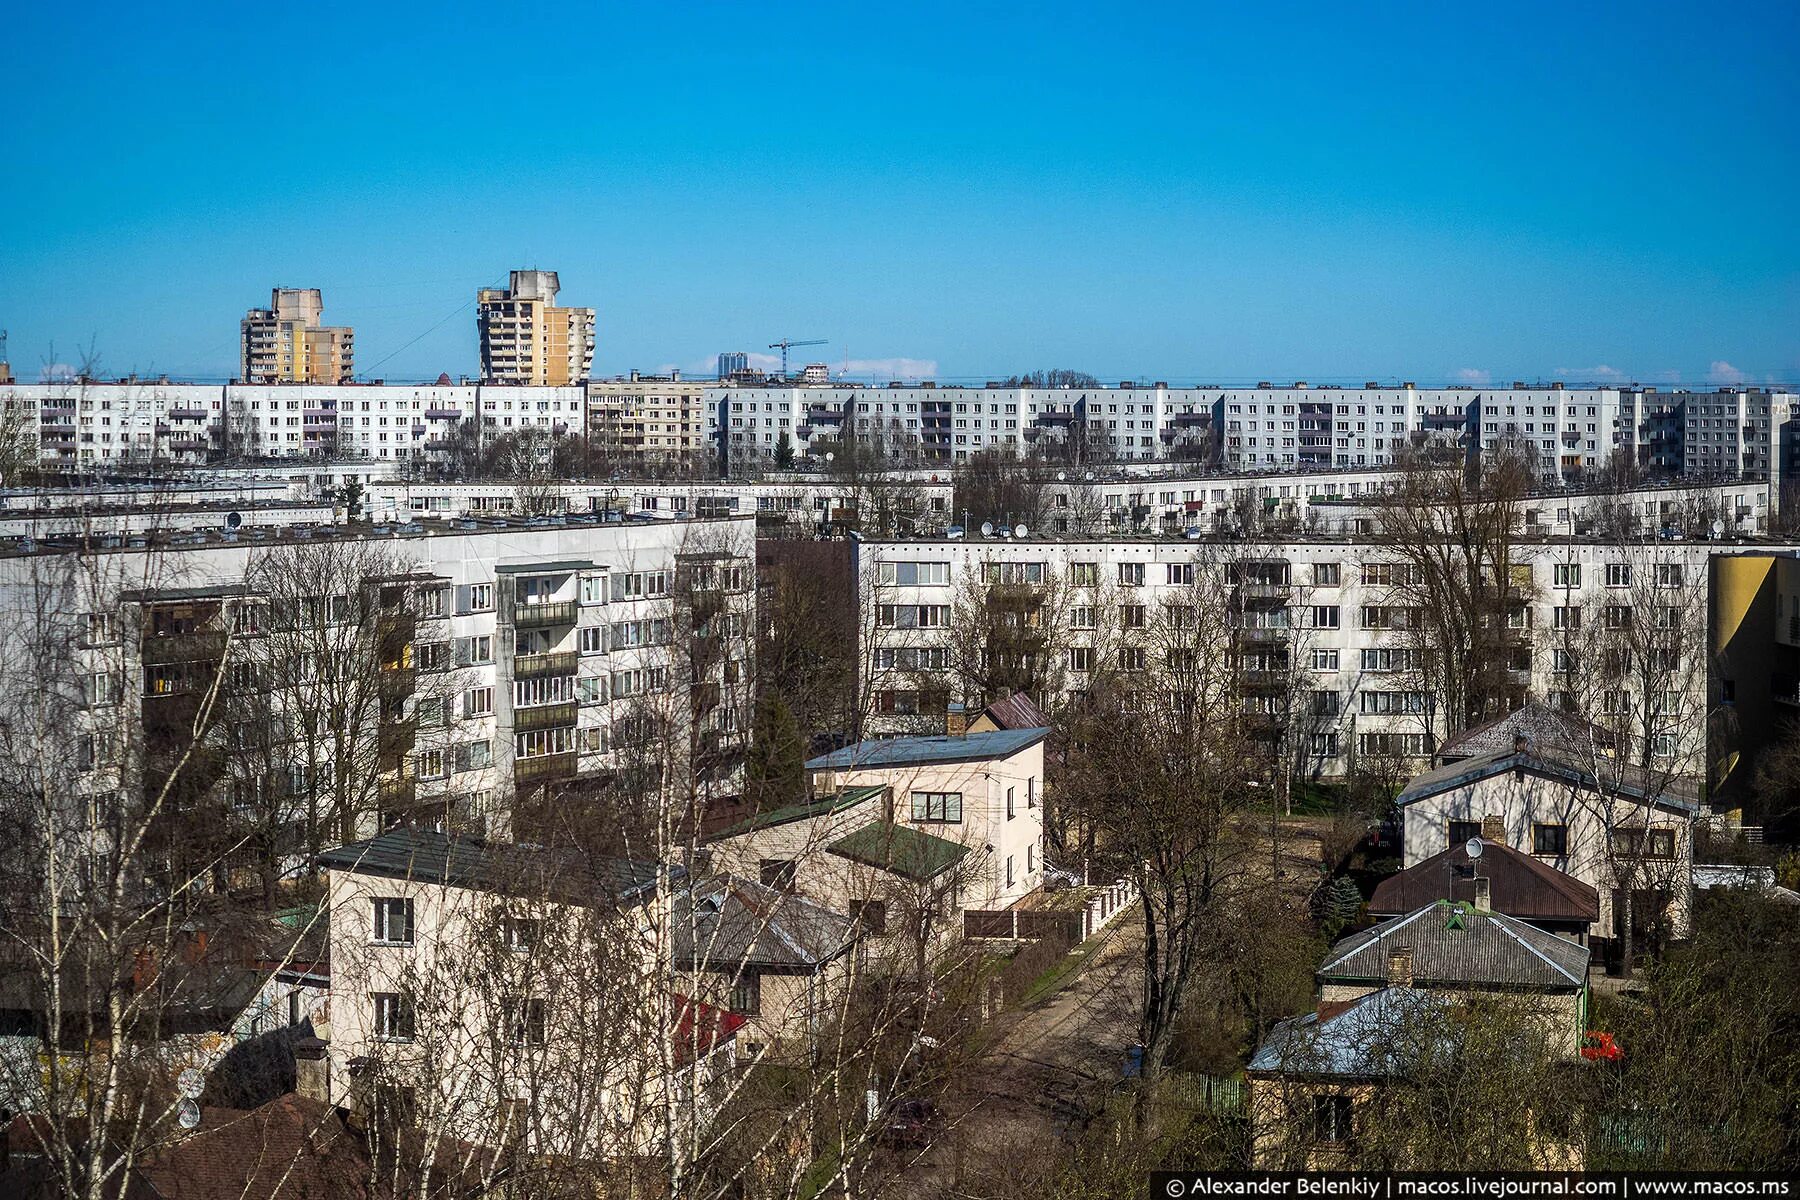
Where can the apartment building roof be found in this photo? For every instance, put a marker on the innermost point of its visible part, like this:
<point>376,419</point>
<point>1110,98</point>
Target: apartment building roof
<point>814,806</point>
<point>1519,886</point>
<point>1674,793</point>
<point>1457,945</point>
<point>1536,722</point>
<point>908,852</point>
<point>734,923</point>
<point>426,856</point>
<point>921,751</point>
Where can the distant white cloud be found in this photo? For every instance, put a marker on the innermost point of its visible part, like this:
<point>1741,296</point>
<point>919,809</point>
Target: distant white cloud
<point>1471,377</point>
<point>1723,372</point>
<point>1599,374</point>
<point>892,368</point>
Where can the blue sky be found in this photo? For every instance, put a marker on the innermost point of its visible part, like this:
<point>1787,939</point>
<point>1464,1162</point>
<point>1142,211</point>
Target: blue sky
<point>1185,192</point>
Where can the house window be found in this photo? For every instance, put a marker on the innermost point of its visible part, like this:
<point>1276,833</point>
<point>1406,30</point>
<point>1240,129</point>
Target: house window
<point>778,873</point>
<point>1566,575</point>
<point>1327,574</point>
<point>1324,660</point>
<point>1131,574</point>
<point>1331,1119</point>
<point>870,914</point>
<point>1549,839</point>
<point>393,1016</point>
<point>1633,843</point>
<point>1618,574</point>
<point>519,933</point>
<point>1462,831</point>
<point>525,1023</point>
<point>1009,804</point>
<point>1009,870</point>
<point>593,639</point>
<point>937,807</point>
<point>746,994</point>
<point>393,921</point>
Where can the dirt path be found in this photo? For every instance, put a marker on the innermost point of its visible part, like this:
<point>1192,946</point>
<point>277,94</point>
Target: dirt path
<point>1045,1070</point>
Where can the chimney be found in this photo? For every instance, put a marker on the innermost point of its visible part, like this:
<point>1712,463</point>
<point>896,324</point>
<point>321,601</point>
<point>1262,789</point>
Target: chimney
<point>1400,966</point>
<point>1483,894</point>
<point>312,1069</point>
<point>1493,829</point>
<point>956,719</point>
<point>1520,743</point>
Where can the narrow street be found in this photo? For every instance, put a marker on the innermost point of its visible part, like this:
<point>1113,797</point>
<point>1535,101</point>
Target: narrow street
<point>1046,1069</point>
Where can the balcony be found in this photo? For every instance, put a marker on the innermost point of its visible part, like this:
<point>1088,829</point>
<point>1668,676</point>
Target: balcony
<point>536,616</point>
<point>397,793</point>
<point>534,666</point>
<point>544,769</point>
<point>545,716</point>
<point>183,647</point>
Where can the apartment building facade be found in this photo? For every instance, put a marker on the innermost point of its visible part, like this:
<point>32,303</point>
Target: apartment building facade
<point>288,343</point>
<point>1326,628</point>
<point>527,339</point>
<point>651,419</point>
<point>497,659</point>
<point>84,425</point>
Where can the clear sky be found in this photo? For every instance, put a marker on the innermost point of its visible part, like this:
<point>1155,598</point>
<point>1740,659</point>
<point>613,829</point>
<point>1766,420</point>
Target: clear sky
<point>1435,192</point>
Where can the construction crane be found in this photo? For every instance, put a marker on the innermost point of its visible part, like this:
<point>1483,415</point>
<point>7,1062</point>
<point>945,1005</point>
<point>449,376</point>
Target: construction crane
<point>783,345</point>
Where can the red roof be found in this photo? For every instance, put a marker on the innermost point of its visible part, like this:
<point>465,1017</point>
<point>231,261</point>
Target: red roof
<point>701,1028</point>
<point>1016,712</point>
<point>1518,885</point>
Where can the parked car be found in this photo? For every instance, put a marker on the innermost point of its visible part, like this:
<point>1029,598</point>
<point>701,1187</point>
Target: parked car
<point>910,1125</point>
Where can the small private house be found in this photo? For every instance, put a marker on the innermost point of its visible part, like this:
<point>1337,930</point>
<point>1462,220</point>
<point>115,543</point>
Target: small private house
<point>504,994</point>
<point>1618,829</point>
<point>1506,880</point>
<point>1379,992</point>
<point>905,835</point>
<point>779,961</point>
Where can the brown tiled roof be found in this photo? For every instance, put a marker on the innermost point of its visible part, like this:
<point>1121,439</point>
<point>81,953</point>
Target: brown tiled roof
<point>291,1148</point>
<point>1016,712</point>
<point>1519,886</point>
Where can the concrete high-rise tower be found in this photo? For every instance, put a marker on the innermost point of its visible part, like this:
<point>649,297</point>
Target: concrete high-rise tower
<point>285,342</point>
<point>525,338</point>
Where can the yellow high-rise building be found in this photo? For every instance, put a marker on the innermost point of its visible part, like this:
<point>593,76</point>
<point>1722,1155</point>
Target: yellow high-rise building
<point>285,342</point>
<point>526,339</point>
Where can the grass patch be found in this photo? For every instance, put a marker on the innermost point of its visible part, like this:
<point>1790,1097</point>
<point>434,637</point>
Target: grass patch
<point>1056,977</point>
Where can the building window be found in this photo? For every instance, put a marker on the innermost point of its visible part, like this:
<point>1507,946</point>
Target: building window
<point>746,994</point>
<point>937,807</point>
<point>871,915</point>
<point>778,873</point>
<point>525,1023</point>
<point>1327,574</point>
<point>1639,843</point>
<point>1462,831</point>
<point>1332,1118</point>
<point>1009,870</point>
<point>1549,839</point>
<point>393,921</point>
<point>519,933</point>
<point>393,1016</point>
<point>1618,574</point>
<point>1009,804</point>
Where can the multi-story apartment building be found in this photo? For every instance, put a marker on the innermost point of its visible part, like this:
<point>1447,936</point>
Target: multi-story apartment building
<point>733,363</point>
<point>84,425</point>
<point>1330,629</point>
<point>527,339</point>
<point>650,418</point>
<point>465,667</point>
<point>285,342</point>
<point>1571,433</point>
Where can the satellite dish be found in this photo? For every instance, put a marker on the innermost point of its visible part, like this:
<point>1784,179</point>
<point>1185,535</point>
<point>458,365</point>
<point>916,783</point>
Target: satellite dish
<point>1061,476</point>
<point>1718,527</point>
<point>987,529</point>
<point>187,1114</point>
<point>1193,533</point>
<point>233,520</point>
<point>1472,847</point>
<point>190,1083</point>
<point>1020,530</point>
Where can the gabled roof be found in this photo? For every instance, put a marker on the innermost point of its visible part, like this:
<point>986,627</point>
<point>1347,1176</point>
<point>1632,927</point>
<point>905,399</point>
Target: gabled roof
<point>905,851</point>
<point>1363,1040</point>
<point>287,1149</point>
<point>919,751</point>
<point>1676,794</point>
<point>515,869</point>
<point>1015,712</point>
<point>816,806</point>
<point>1518,885</point>
<point>1540,725</point>
<point>733,923</point>
<point>1456,945</point>
<point>701,1028</point>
